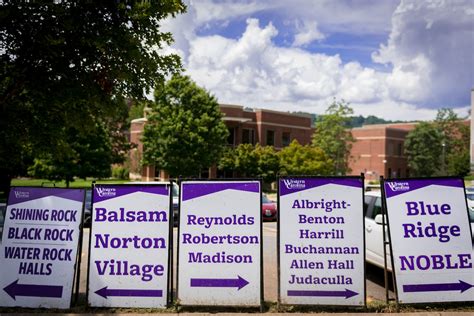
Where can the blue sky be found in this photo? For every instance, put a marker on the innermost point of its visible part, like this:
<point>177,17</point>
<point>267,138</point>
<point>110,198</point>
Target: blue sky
<point>394,59</point>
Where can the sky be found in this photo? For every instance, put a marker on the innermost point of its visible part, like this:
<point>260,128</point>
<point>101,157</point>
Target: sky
<point>398,60</point>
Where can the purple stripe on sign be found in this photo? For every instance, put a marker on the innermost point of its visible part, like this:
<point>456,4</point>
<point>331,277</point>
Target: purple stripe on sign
<point>194,190</point>
<point>297,184</point>
<point>25,194</point>
<point>106,192</point>
<point>397,187</point>
<point>106,292</point>
<point>33,290</point>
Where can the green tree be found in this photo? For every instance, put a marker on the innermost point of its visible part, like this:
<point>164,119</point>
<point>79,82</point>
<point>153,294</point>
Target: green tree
<point>455,159</point>
<point>423,148</point>
<point>81,155</point>
<point>268,163</point>
<point>64,65</point>
<point>333,136</point>
<point>185,132</point>
<point>249,160</point>
<point>246,160</point>
<point>296,159</point>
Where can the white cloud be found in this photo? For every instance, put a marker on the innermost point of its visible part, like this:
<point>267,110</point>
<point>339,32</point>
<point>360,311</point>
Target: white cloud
<point>253,65</point>
<point>431,49</point>
<point>307,32</point>
<point>429,53</point>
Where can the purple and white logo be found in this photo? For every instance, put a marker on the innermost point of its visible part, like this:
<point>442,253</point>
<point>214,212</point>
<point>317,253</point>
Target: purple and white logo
<point>399,186</point>
<point>106,192</point>
<point>292,184</point>
<point>22,194</point>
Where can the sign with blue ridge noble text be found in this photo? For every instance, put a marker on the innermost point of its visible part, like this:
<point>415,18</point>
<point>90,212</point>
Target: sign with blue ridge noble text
<point>39,247</point>
<point>321,241</point>
<point>220,242</point>
<point>129,246</point>
<point>430,239</point>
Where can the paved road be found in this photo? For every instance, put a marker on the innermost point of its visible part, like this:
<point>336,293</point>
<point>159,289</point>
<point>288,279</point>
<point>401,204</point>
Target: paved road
<point>375,277</point>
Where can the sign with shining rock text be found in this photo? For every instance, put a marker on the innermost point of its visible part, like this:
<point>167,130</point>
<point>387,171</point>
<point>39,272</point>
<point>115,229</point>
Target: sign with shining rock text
<point>39,247</point>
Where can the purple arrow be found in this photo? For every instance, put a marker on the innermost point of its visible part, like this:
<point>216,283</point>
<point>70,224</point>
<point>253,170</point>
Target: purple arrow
<point>437,287</point>
<point>347,293</point>
<point>238,283</point>
<point>105,292</point>
<point>33,290</point>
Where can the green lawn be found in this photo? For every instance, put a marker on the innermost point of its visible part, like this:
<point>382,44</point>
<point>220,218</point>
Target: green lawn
<point>75,184</point>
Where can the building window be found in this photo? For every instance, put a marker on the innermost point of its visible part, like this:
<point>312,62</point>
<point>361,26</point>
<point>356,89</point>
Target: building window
<point>270,138</point>
<point>391,149</point>
<point>231,138</point>
<point>248,136</point>
<point>399,149</point>
<point>285,139</point>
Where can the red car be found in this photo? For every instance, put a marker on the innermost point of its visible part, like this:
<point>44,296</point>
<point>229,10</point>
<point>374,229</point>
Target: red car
<point>269,209</point>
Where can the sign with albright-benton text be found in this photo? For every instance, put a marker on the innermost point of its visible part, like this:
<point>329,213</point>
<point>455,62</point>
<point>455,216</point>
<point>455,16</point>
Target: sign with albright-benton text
<point>430,239</point>
<point>39,247</point>
<point>129,246</point>
<point>219,245</point>
<point>321,241</point>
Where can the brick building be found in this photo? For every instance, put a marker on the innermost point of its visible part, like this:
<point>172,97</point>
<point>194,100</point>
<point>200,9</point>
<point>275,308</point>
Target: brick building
<point>253,126</point>
<point>378,151</point>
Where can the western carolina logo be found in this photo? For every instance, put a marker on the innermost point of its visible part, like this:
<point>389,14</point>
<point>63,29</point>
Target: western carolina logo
<point>294,184</point>
<point>399,186</point>
<point>106,192</point>
<point>22,194</point>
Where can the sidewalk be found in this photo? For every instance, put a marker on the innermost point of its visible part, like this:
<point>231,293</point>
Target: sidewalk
<point>471,313</point>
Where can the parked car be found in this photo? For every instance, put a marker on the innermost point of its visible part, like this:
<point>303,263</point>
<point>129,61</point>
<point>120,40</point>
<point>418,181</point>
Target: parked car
<point>374,244</point>
<point>269,209</point>
<point>88,208</point>
<point>175,197</point>
<point>373,227</point>
<point>470,204</point>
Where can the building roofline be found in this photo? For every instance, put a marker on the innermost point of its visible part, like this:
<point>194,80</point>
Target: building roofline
<point>232,106</point>
<point>139,120</point>
<point>235,106</point>
<point>284,113</point>
<point>388,125</point>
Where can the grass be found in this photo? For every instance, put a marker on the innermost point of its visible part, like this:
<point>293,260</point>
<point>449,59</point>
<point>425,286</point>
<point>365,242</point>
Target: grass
<point>80,183</point>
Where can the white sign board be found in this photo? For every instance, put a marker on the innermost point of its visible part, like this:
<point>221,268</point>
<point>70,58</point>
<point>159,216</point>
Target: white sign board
<point>129,246</point>
<point>321,241</point>
<point>430,239</point>
<point>39,249</point>
<point>219,245</point>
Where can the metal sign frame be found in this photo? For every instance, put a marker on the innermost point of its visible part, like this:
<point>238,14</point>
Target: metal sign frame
<point>261,283</point>
<point>361,178</point>
<point>168,282</point>
<point>77,260</point>
<point>384,201</point>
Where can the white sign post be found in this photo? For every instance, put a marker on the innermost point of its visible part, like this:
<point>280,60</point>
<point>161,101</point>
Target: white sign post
<point>321,241</point>
<point>430,240</point>
<point>220,243</point>
<point>129,246</point>
<point>39,249</point>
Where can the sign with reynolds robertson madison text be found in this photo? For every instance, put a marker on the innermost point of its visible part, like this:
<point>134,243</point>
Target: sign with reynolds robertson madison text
<point>219,245</point>
<point>431,240</point>
<point>39,249</point>
<point>129,246</point>
<point>321,241</point>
